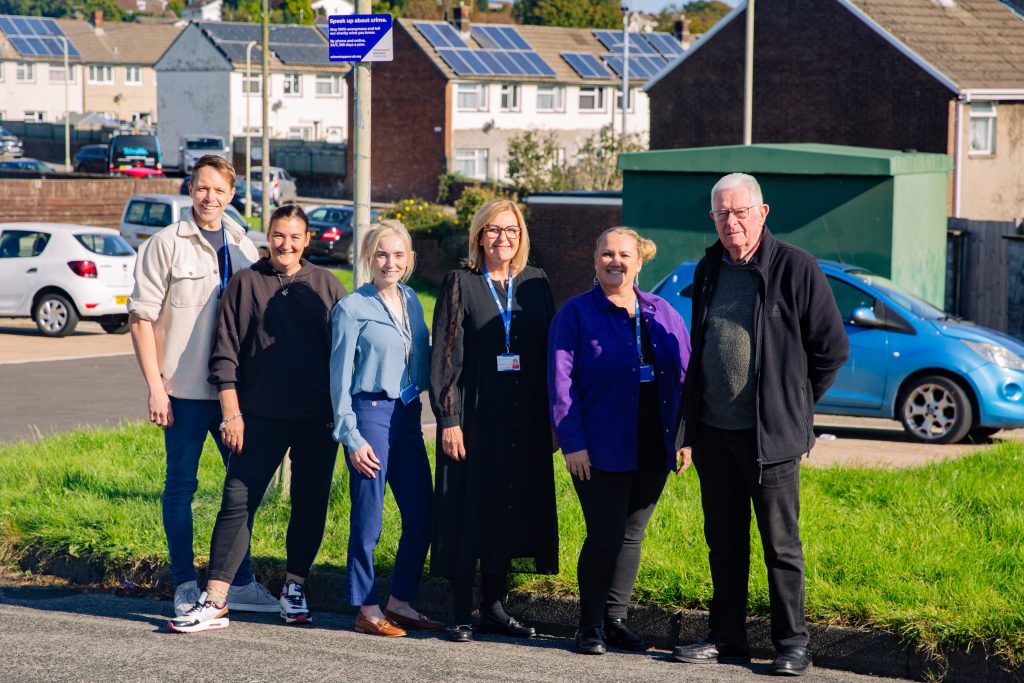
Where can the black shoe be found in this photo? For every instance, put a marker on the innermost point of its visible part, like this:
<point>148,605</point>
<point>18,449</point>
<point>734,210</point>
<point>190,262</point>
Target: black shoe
<point>589,641</point>
<point>512,628</point>
<point>708,651</point>
<point>618,634</point>
<point>460,633</point>
<point>791,660</point>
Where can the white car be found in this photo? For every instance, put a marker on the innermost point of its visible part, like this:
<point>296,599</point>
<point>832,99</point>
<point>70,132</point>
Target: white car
<point>59,274</point>
<point>196,147</point>
<point>282,186</point>
<point>146,214</point>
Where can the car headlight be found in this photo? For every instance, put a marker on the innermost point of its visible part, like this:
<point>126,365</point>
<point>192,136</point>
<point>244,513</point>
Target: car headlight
<point>996,354</point>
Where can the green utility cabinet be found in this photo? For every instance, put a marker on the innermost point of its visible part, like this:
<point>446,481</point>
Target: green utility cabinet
<point>877,208</point>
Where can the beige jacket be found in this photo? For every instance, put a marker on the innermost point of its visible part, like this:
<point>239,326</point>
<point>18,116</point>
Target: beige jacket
<point>176,288</point>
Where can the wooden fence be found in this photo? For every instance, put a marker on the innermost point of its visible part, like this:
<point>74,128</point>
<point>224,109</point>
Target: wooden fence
<point>982,283</point>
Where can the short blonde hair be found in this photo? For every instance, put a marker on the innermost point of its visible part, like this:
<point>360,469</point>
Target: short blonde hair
<point>372,238</point>
<point>646,249</point>
<point>483,216</point>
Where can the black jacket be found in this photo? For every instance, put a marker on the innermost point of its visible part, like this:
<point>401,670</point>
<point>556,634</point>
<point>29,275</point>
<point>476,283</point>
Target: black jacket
<point>800,345</point>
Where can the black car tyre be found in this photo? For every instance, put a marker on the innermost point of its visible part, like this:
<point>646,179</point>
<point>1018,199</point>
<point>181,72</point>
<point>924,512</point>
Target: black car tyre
<point>935,409</point>
<point>55,316</point>
<point>982,434</point>
<point>115,324</point>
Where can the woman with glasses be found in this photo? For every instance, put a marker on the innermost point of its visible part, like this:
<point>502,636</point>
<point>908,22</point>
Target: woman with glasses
<point>615,376</point>
<point>379,357</point>
<point>494,492</point>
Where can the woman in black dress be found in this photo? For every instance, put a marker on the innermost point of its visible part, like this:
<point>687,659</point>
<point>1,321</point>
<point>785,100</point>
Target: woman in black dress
<point>494,493</point>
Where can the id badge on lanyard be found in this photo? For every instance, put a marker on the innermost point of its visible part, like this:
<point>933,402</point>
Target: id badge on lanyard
<point>646,369</point>
<point>508,361</point>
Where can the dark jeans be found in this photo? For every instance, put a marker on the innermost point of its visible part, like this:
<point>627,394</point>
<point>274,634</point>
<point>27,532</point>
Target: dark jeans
<point>726,462</point>
<point>616,508</point>
<point>313,451</point>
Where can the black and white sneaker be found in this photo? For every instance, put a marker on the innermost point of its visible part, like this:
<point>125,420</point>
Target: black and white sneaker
<point>293,604</point>
<point>205,615</point>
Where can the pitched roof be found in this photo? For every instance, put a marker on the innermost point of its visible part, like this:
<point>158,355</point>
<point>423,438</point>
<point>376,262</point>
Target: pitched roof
<point>291,46</point>
<point>120,42</point>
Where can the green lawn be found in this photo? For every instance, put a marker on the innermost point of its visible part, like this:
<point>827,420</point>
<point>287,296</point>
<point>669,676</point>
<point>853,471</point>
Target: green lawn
<point>426,292</point>
<point>935,553</point>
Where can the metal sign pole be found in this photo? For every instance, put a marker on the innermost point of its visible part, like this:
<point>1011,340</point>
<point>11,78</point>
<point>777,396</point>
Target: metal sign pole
<point>360,152</point>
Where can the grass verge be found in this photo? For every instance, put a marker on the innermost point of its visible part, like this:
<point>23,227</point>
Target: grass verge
<point>935,554</point>
<point>426,292</point>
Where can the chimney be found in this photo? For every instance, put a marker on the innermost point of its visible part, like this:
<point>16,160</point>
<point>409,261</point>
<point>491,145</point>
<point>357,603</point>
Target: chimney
<point>681,30</point>
<point>460,18</point>
<point>97,19</point>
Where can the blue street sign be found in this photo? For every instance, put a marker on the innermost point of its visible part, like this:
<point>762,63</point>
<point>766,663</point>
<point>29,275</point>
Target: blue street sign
<point>360,38</point>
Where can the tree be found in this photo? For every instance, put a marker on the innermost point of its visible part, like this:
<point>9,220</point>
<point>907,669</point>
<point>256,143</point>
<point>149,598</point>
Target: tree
<point>703,14</point>
<point>597,159</point>
<point>578,13</point>
<point>297,12</point>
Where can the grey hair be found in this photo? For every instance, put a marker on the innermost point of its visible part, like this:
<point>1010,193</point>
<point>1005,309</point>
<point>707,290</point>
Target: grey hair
<point>735,180</point>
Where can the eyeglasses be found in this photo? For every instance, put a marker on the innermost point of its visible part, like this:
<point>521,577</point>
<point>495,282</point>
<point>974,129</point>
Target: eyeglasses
<point>723,215</point>
<point>511,231</point>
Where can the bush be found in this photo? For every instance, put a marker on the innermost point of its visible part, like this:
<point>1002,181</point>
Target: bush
<point>422,218</point>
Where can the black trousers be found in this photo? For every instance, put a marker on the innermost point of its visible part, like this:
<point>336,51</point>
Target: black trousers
<point>616,508</point>
<point>265,443</point>
<point>726,462</point>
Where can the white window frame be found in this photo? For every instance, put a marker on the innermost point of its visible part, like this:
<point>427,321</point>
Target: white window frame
<point>595,93</point>
<point>101,74</point>
<point>477,156</point>
<point>133,75</point>
<point>300,133</point>
<point>981,129</point>
<point>333,83</point>
<point>56,69</point>
<point>25,72</point>
<point>292,85</point>
<point>252,85</point>
<point>471,96</point>
<point>34,116</point>
<point>557,95</point>
<point>511,97</point>
<point>632,100</point>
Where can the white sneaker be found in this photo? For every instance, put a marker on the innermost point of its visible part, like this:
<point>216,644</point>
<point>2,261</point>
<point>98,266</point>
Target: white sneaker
<point>252,598</point>
<point>293,604</point>
<point>185,595</point>
<point>203,616</point>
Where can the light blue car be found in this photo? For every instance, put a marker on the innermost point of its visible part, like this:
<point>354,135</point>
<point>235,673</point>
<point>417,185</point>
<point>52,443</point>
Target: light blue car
<point>942,377</point>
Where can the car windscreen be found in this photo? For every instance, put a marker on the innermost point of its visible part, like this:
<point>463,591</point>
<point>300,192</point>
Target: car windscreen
<point>204,143</point>
<point>134,150</point>
<point>918,307</point>
<point>104,244</point>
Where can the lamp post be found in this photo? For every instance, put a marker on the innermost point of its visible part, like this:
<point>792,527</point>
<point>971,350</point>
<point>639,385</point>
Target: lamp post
<point>748,78</point>
<point>248,129</point>
<point>625,67</point>
<point>265,143</point>
<point>67,110</point>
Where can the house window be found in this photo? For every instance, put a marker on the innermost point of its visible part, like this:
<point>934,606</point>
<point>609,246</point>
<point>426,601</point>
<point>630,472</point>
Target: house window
<point>471,97</point>
<point>982,133</point>
<point>591,99</point>
<point>292,84</point>
<point>550,98</point>
<point>300,133</point>
<point>510,98</point>
<point>631,94</point>
<point>57,73</point>
<point>471,163</point>
<point>252,85</point>
<point>26,72</point>
<point>101,73</point>
<point>328,85</point>
<point>133,75</point>
<point>34,116</point>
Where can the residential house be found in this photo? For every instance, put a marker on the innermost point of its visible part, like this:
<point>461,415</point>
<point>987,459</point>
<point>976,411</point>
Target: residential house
<point>455,94</point>
<point>929,75</point>
<point>34,85</point>
<point>203,10</point>
<point>204,89</point>
<point>330,8</point>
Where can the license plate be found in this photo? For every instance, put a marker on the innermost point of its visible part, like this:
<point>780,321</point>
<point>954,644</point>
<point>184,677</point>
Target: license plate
<point>121,300</point>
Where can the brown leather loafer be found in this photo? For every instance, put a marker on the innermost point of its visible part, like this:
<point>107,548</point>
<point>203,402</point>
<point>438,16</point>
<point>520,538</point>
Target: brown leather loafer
<point>422,623</point>
<point>384,627</point>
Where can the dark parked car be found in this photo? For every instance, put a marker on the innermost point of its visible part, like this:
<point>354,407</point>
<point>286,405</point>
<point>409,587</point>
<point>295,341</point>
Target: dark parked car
<point>91,159</point>
<point>25,164</point>
<point>137,156</point>
<point>330,232</point>
<point>239,199</point>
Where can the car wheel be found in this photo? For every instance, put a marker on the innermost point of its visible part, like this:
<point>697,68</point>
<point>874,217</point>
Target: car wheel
<point>982,434</point>
<point>55,316</point>
<point>117,324</point>
<point>935,409</point>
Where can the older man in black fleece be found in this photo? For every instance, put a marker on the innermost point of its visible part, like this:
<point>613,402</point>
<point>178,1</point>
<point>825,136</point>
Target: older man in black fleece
<point>768,341</point>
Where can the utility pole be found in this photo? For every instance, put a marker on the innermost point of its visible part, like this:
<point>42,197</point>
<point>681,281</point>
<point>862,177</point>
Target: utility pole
<point>625,69</point>
<point>360,151</point>
<point>248,128</point>
<point>748,79</point>
<point>265,88</point>
<point>67,110</point>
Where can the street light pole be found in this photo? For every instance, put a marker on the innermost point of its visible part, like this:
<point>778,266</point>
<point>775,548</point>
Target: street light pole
<point>265,86</point>
<point>625,68</point>
<point>67,109</point>
<point>361,151</point>
<point>748,79</point>
<point>248,128</point>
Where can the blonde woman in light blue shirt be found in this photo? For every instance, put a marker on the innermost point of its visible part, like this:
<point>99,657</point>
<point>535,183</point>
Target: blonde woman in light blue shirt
<point>380,352</point>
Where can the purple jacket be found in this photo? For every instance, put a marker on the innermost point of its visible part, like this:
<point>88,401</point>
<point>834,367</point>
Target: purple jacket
<point>594,379</point>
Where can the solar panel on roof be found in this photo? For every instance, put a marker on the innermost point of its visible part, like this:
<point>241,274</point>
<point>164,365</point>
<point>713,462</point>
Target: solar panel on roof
<point>499,38</point>
<point>613,41</point>
<point>36,37</point>
<point>665,43</point>
<point>586,65</point>
<point>640,67</point>
<point>301,54</point>
<point>440,34</point>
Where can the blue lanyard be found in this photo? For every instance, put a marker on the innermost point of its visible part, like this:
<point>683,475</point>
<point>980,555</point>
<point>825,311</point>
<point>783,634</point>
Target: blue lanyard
<point>227,259</point>
<point>639,348</point>
<point>506,315</point>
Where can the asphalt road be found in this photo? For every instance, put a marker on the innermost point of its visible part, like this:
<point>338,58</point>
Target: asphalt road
<point>58,634</point>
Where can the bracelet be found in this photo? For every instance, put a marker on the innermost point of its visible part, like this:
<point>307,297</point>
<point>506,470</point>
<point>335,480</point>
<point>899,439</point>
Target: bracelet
<point>224,424</point>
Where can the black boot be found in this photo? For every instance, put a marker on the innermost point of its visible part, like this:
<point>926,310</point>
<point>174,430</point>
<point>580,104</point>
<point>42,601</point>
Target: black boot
<point>618,634</point>
<point>590,641</point>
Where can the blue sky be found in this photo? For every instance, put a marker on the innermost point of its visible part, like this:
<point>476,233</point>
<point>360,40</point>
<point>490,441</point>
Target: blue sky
<point>658,5</point>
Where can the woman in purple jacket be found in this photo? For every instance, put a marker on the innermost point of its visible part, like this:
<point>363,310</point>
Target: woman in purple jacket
<point>616,356</point>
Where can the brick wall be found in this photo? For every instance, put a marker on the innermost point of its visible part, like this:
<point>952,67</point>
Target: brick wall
<point>820,75</point>
<point>562,238</point>
<point>94,201</point>
<point>408,134</point>
<point>434,259</point>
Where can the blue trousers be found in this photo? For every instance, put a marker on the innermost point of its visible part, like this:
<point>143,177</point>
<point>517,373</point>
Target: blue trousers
<point>183,441</point>
<point>393,431</point>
